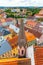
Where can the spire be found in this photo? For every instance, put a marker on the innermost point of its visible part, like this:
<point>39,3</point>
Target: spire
<point>21,38</point>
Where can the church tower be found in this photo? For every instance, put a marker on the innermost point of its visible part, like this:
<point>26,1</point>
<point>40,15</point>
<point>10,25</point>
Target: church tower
<point>22,41</point>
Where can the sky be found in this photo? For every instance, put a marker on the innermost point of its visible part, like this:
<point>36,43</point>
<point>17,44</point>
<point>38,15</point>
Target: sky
<point>25,3</point>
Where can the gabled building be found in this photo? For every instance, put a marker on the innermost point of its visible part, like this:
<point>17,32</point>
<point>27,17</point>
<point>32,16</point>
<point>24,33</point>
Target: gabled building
<point>4,31</point>
<point>40,14</point>
<point>31,23</point>
<point>17,10</point>
<point>36,54</point>
<point>4,46</point>
<point>39,28</point>
<point>13,27</point>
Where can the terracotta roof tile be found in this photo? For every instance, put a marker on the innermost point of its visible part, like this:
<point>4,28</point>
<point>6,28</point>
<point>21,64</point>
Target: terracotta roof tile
<point>38,55</point>
<point>31,23</point>
<point>9,19</point>
<point>29,37</point>
<point>39,27</point>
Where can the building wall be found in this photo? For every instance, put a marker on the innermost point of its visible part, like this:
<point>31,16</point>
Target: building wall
<point>30,54</point>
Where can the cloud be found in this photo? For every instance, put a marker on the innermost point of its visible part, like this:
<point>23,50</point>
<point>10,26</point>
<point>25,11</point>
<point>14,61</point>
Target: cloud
<point>21,3</point>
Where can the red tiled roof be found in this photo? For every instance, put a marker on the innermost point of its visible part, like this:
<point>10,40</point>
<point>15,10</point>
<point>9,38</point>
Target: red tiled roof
<point>29,37</point>
<point>38,55</point>
<point>3,20</point>
<point>38,14</point>
<point>31,23</point>
<point>13,41</point>
<point>35,32</point>
<point>9,19</point>
<point>38,28</point>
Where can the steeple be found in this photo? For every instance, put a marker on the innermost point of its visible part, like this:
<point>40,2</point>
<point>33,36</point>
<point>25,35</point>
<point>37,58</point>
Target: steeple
<point>22,39</point>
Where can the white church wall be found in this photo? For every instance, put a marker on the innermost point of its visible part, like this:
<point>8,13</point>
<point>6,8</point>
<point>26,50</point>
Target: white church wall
<point>30,54</point>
